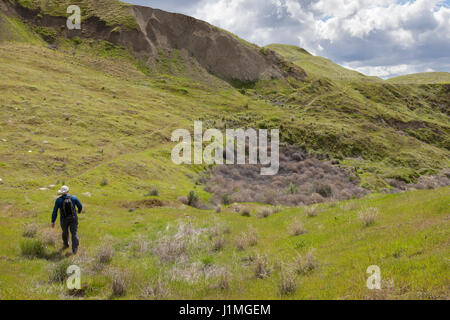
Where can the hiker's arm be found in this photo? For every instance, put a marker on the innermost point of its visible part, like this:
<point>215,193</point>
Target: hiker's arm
<point>78,204</point>
<point>55,213</point>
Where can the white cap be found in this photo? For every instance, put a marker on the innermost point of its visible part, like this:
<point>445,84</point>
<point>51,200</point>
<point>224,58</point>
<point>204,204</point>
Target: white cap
<point>63,190</point>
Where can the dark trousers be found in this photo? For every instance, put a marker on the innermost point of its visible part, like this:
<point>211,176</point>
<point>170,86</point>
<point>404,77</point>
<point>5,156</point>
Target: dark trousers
<point>72,225</point>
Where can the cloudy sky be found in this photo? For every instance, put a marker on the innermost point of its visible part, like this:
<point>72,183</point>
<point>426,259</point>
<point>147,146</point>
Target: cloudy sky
<point>382,38</point>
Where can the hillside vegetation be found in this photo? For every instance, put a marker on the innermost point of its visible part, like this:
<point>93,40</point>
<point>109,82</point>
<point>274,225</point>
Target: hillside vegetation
<point>422,78</point>
<point>90,114</point>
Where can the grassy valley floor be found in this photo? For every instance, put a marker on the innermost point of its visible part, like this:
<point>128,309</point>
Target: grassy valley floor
<point>90,116</point>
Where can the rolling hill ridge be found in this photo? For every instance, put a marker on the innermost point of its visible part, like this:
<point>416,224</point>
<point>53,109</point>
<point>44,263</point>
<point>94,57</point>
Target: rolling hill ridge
<point>364,177</point>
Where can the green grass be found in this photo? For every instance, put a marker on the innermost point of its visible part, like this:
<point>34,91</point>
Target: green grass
<point>422,78</point>
<point>318,66</point>
<point>112,12</point>
<point>12,29</point>
<point>106,117</point>
<point>346,114</point>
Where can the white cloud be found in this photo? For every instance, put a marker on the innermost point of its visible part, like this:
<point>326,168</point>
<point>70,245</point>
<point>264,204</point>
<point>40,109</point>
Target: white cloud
<point>376,37</point>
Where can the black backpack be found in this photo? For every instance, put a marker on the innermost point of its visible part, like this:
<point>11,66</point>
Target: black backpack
<point>67,210</point>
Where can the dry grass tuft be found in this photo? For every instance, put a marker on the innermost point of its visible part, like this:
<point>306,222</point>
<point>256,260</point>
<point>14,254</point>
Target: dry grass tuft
<point>247,239</point>
<point>176,247</point>
<point>287,282</point>
<point>277,209</point>
<point>50,237</point>
<point>241,242</point>
<point>183,200</point>
<point>312,211</point>
<point>262,268</point>
<point>218,243</point>
<point>349,206</point>
<point>306,263</point>
<point>223,280</point>
<point>296,228</point>
<point>367,216</point>
<point>169,249</point>
<point>33,248</point>
<point>105,254</point>
<point>252,237</point>
<point>140,245</point>
<point>120,282</point>
<point>264,213</point>
<point>58,272</point>
<point>245,211</point>
<point>158,290</point>
<point>30,230</point>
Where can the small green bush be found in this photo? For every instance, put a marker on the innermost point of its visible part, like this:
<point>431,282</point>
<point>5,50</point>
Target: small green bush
<point>226,200</point>
<point>32,248</point>
<point>192,199</point>
<point>48,34</point>
<point>77,40</point>
<point>324,190</point>
<point>292,189</point>
<point>59,272</point>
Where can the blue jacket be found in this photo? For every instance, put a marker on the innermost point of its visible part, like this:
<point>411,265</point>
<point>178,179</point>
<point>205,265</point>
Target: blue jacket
<point>59,203</point>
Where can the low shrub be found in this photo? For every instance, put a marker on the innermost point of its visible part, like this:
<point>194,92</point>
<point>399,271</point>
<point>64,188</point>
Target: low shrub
<point>49,237</point>
<point>296,228</point>
<point>323,189</point>
<point>158,290</point>
<point>218,243</point>
<point>264,213</point>
<point>152,193</point>
<point>169,249</point>
<point>223,280</point>
<point>306,263</point>
<point>30,230</point>
<point>291,189</point>
<point>288,282</point>
<point>192,199</point>
<point>312,211</point>
<point>367,216</point>
<point>105,254</point>
<point>59,271</point>
<point>240,242</point>
<point>226,200</point>
<point>33,248</point>
<point>277,209</point>
<point>104,182</point>
<point>245,211</point>
<point>120,281</point>
<point>183,200</point>
<point>252,237</point>
<point>262,268</point>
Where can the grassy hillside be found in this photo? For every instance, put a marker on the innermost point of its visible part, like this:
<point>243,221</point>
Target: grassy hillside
<point>380,115</point>
<point>422,78</point>
<point>318,66</point>
<point>88,115</point>
<point>112,12</point>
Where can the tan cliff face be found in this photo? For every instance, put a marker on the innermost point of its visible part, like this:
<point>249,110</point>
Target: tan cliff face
<point>217,51</point>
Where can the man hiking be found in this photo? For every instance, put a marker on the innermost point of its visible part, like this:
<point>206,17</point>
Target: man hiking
<point>68,217</point>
